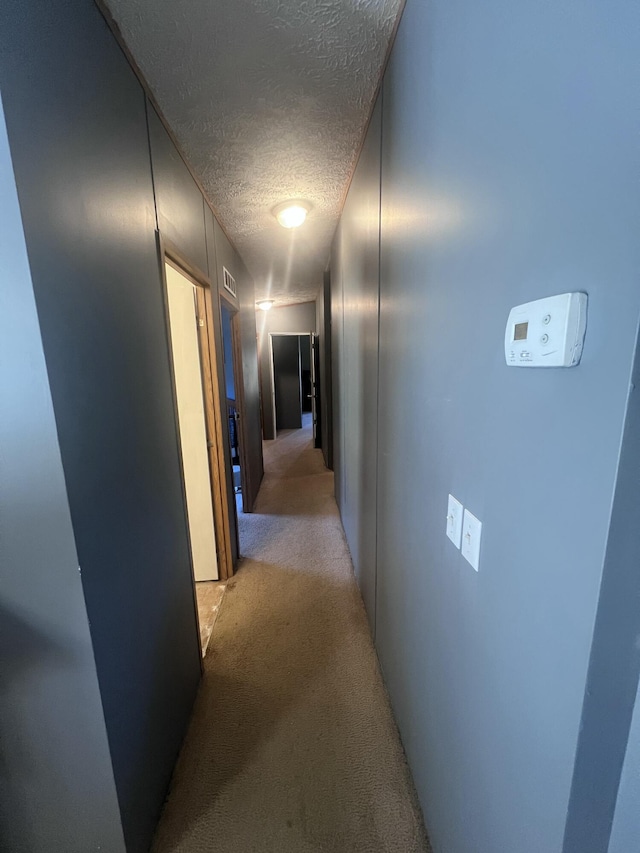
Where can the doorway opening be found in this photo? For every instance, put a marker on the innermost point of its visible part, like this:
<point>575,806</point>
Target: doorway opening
<point>234,397</point>
<point>294,380</point>
<point>197,409</point>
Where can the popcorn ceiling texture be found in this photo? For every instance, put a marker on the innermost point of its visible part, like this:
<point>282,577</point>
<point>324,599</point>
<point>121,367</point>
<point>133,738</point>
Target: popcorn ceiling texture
<point>269,100</point>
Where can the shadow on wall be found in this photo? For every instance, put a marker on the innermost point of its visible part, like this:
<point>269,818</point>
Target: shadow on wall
<point>25,652</point>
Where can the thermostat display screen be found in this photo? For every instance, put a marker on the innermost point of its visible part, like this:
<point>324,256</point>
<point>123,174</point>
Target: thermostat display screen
<point>520,332</point>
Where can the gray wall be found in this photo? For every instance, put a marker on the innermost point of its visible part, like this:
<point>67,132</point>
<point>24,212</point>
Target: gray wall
<point>357,274</point>
<point>509,146</point>
<point>625,834</point>
<point>338,372</point>
<point>227,347</point>
<point>251,383</point>
<point>289,318</point>
<point>91,160</point>
<point>81,158</point>
<point>305,352</point>
<point>226,256</point>
<point>51,720</point>
<point>323,328</point>
<point>179,203</point>
<point>609,725</point>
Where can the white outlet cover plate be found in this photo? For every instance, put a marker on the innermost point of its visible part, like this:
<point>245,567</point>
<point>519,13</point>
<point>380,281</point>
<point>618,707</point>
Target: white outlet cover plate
<point>454,521</point>
<point>471,535</point>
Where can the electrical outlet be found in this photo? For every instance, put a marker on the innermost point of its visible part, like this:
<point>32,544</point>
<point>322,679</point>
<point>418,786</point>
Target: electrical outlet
<point>454,521</point>
<point>471,534</point>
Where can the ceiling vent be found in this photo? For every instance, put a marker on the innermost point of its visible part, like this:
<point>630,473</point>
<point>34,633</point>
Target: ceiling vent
<point>229,282</point>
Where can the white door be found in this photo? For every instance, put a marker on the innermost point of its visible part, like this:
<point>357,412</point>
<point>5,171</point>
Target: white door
<point>191,420</point>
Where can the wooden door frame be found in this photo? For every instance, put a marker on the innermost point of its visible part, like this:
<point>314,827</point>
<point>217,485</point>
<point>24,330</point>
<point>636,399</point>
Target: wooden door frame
<point>169,253</point>
<point>272,371</point>
<point>238,381</point>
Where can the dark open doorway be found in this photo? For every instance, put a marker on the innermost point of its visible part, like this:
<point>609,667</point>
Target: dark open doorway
<point>233,392</point>
<point>293,379</point>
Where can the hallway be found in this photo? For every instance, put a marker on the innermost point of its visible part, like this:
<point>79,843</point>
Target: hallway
<point>292,746</point>
<point>445,196</point>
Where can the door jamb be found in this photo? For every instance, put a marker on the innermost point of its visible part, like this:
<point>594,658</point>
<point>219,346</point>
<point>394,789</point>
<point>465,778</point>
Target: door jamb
<point>169,253</point>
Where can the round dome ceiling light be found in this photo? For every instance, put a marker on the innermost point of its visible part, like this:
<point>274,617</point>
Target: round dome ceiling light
<point>265,304</point>
<point>291,214</point>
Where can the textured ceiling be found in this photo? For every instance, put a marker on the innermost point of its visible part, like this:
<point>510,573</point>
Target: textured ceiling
<point>268,100</point>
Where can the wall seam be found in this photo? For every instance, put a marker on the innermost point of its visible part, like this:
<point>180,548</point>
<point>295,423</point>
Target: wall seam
<point>375,565</point>
<point>153,180</point>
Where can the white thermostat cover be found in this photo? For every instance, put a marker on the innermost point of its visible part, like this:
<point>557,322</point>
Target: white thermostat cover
<point>547,333</point>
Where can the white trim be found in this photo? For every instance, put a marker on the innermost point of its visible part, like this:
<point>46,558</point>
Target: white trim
<point>229,282</point>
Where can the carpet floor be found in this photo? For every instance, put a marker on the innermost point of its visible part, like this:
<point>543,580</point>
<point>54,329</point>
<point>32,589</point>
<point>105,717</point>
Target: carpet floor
<point>292,747</point>
<point>209,598</point>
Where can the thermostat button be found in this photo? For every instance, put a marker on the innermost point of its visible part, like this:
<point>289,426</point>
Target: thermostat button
<point>544,339</point>
<point>546,319</point>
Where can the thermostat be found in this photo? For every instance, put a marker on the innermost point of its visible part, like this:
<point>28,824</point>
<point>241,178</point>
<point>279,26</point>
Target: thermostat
<point>547,333</point>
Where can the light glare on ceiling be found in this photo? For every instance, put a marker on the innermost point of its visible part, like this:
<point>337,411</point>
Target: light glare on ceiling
<point>265,304</point>
<point>292,214</point>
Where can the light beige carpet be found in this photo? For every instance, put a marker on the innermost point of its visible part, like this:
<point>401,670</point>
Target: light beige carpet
<point>209,598</point>
<point>292,747</point>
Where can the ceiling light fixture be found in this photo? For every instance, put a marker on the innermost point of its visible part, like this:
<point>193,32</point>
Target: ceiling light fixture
<point>265,304</point>
<point>291,214</point>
